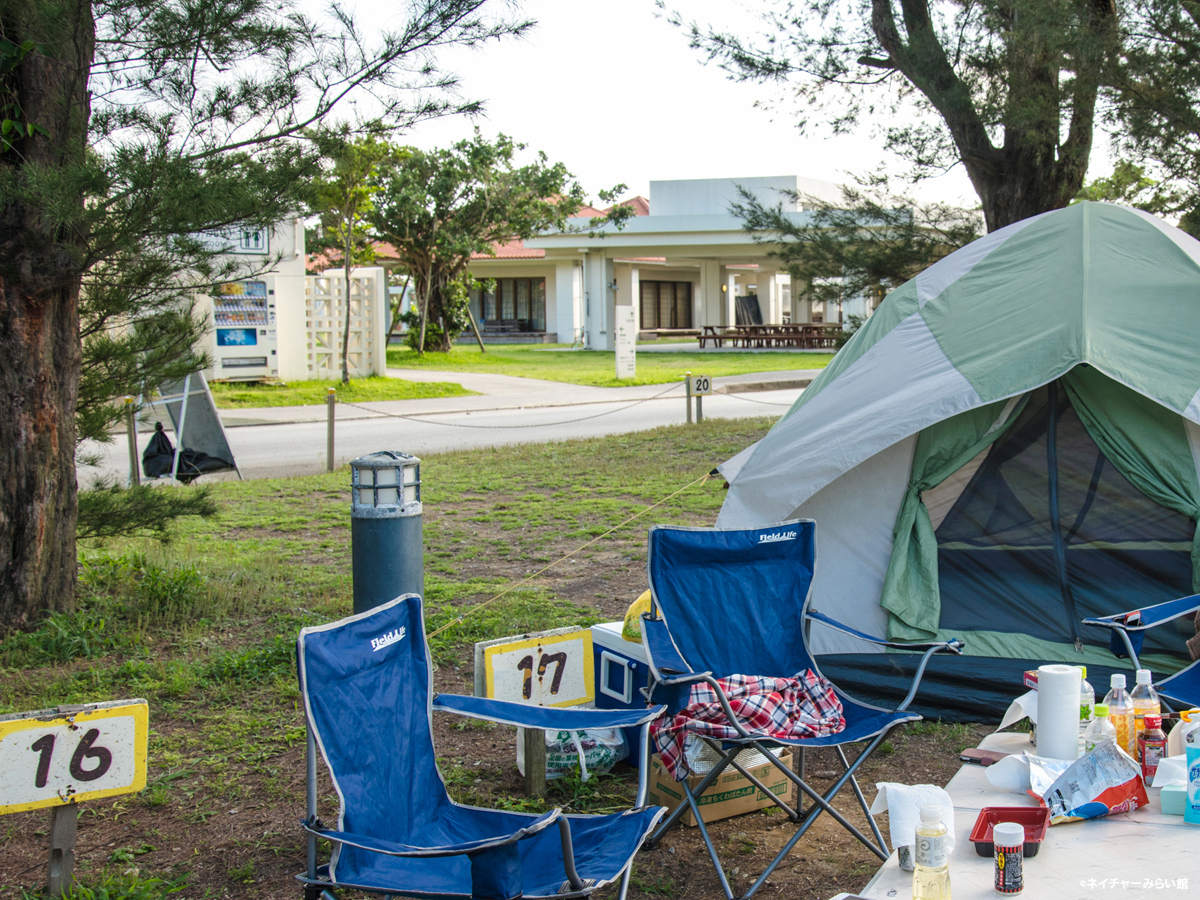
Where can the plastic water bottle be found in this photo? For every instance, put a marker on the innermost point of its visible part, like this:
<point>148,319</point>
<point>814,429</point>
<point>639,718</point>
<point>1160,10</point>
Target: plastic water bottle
<point>1087,703</point>
<point>931,875</point>
<point>1100,730</point>
<point>1145,702</point>
<point>1120,711</point>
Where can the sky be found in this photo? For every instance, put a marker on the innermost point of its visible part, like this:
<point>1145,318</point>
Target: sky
<point>612,90</point>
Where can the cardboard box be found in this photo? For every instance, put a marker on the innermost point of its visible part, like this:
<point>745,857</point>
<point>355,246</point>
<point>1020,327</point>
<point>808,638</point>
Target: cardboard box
<point>731,795</point>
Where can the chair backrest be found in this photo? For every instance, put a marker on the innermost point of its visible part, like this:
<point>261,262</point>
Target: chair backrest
<point>366,686</point>
<point>734,599</point>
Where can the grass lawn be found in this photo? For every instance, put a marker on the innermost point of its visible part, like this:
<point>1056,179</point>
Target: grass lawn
<point>596,367</point>
<point>204,629</point>
<point>234,395</point>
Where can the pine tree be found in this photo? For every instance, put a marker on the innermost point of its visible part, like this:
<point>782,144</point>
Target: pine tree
<point>128,130</point>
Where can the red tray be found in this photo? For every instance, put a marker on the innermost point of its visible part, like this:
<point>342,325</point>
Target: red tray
<point>1034,819</point>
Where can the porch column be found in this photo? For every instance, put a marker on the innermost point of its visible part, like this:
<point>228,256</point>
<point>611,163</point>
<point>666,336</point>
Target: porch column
<point>568,301</point>
<point>599,296</point>
<point>768,300</point>
<point>730,307</point>
<point>707,302</point>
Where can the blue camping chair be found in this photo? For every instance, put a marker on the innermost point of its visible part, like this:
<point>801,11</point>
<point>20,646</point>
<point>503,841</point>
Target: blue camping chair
<point>366,686</point>
<point>730,602</point>
<point>1127,632</point>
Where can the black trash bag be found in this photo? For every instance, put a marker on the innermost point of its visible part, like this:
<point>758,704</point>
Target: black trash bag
<point>194,463</point>
<point>159,456</point>
<point>159,459</point>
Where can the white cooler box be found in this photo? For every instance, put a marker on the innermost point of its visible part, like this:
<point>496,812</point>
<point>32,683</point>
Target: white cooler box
<point>620,672</point>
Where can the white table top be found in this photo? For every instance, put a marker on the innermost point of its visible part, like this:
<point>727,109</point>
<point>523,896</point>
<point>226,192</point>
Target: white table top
<point>1131,856</point>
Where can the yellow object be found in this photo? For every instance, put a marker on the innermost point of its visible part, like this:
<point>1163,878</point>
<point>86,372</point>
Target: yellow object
<point>632,629</point>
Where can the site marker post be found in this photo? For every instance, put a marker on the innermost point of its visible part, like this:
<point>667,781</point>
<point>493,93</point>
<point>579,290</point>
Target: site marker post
<point>687,395</point>
<point>62,756</point>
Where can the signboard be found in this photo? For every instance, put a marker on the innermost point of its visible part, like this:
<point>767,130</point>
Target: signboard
<point>548,669</point>
<point>627,332</point>
<point>238,240</point>
<point>701,385</point>
<point>53,757</point>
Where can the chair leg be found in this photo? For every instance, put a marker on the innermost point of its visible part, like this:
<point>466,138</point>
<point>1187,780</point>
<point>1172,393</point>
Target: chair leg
<point>704,836</point>
<point>745,773</point>
<point>862,800</point>
<point>714,773</point>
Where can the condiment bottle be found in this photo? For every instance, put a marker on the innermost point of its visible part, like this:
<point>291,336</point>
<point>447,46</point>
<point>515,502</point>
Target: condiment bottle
<point>1008,839</point>
<point>1152,747</point>
<point>1145,701</point>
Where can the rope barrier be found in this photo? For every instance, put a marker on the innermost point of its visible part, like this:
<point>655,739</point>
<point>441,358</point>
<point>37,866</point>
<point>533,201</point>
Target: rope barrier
<point>457,620</point>
<point>608,412</point>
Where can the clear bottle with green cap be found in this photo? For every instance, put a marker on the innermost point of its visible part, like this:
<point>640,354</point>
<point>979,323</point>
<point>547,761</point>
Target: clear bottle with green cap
<point>1087,705</point>
<point>1101,729</point>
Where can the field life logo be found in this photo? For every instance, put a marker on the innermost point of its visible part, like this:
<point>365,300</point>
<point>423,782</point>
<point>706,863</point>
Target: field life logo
<point>776,536</point>
<point>386,640</point>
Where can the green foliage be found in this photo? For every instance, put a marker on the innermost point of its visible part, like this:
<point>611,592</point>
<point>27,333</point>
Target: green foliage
<point>255,664</point>
<point>300,393</point>
<point>867,245</point>
<point>1009,89</point>
<point>438,207</point>
<point>119,887</point>
<point>595,367</point>
<point>342,195</point>
<point>111,510</point>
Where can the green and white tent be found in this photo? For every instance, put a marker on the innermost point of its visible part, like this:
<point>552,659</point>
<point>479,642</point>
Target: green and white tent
<point>1009,444</point>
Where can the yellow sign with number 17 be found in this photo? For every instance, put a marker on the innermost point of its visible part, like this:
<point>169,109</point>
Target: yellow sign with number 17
<point>72,753</point>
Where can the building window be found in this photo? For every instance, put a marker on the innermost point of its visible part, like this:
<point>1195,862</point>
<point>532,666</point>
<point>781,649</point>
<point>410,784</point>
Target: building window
<point>517,304</point>
<point>666,304</point>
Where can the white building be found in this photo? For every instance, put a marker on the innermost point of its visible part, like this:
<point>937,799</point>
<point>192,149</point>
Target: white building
<point>683,262</point>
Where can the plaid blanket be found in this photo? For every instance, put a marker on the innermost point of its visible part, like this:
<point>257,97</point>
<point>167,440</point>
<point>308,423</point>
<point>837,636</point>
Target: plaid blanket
<point>791,708</point>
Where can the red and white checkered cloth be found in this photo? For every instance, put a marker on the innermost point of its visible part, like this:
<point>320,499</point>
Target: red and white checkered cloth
<point>791,708</point>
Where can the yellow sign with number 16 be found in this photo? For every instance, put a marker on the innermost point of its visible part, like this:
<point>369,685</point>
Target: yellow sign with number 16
<point>72,753</point>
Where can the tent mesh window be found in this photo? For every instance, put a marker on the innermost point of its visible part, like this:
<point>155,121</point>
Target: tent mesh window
<point>1001,548</point>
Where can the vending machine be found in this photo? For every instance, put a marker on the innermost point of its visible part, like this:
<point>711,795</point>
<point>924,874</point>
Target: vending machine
<point>246,343</point>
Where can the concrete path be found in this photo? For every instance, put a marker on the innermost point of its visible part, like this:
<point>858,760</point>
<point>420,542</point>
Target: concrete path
<point>508,410</point>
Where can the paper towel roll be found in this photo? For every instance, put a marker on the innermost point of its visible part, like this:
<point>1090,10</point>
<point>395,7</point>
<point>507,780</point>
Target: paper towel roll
<point>1058,711</point>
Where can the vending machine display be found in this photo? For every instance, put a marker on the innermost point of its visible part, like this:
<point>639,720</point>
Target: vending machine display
<point>244,325</point>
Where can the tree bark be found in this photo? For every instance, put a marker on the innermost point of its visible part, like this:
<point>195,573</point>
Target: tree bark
<point>346,330</point>
<point>40,272</point>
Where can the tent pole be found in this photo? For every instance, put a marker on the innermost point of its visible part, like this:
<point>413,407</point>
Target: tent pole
<point>1060,547</point>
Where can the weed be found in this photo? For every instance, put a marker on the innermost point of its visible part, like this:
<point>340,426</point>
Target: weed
<point>243,874</point>
<point>255,664</point>
<point>662,886</point>
<point>121,887</point>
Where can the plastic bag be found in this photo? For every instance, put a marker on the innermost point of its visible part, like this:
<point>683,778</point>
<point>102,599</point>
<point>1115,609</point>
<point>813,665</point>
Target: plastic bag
<point>595,751</point>
<point>632,629</point>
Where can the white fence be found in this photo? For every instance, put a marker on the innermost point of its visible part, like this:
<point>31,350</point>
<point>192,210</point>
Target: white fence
<point>325,315</point>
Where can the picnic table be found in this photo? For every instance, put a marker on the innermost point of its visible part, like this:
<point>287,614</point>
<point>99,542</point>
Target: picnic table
<point>1143,850</point>
<point>806,335</point>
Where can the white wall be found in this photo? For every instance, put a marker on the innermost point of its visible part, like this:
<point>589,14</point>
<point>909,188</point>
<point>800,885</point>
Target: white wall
<point>713,196</point>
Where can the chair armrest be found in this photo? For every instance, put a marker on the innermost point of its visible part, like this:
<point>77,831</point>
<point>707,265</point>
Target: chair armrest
<point>954,645</point>
<point>1148,616</point>
<point>545,717</point>
<point>667,666</point>
<point>389,848</point>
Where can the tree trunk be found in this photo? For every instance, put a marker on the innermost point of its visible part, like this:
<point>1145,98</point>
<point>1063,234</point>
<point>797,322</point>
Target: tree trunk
<point>346,331</point>
<point>40,273</point>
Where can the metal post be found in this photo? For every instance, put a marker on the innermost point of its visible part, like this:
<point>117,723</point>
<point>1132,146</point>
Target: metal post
<point>135,472</point>
<point>64,821</point>
<point>330,403</point>
<point>386,542</point>
<point>687,381</point>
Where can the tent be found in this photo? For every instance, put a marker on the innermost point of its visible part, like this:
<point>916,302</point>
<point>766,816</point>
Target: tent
<point>1009,444</point>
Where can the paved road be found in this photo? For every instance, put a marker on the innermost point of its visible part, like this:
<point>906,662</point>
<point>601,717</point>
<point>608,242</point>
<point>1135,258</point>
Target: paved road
<point>508,410</point>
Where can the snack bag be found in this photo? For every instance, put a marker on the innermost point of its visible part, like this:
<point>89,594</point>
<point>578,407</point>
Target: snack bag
<point>632,629</point>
